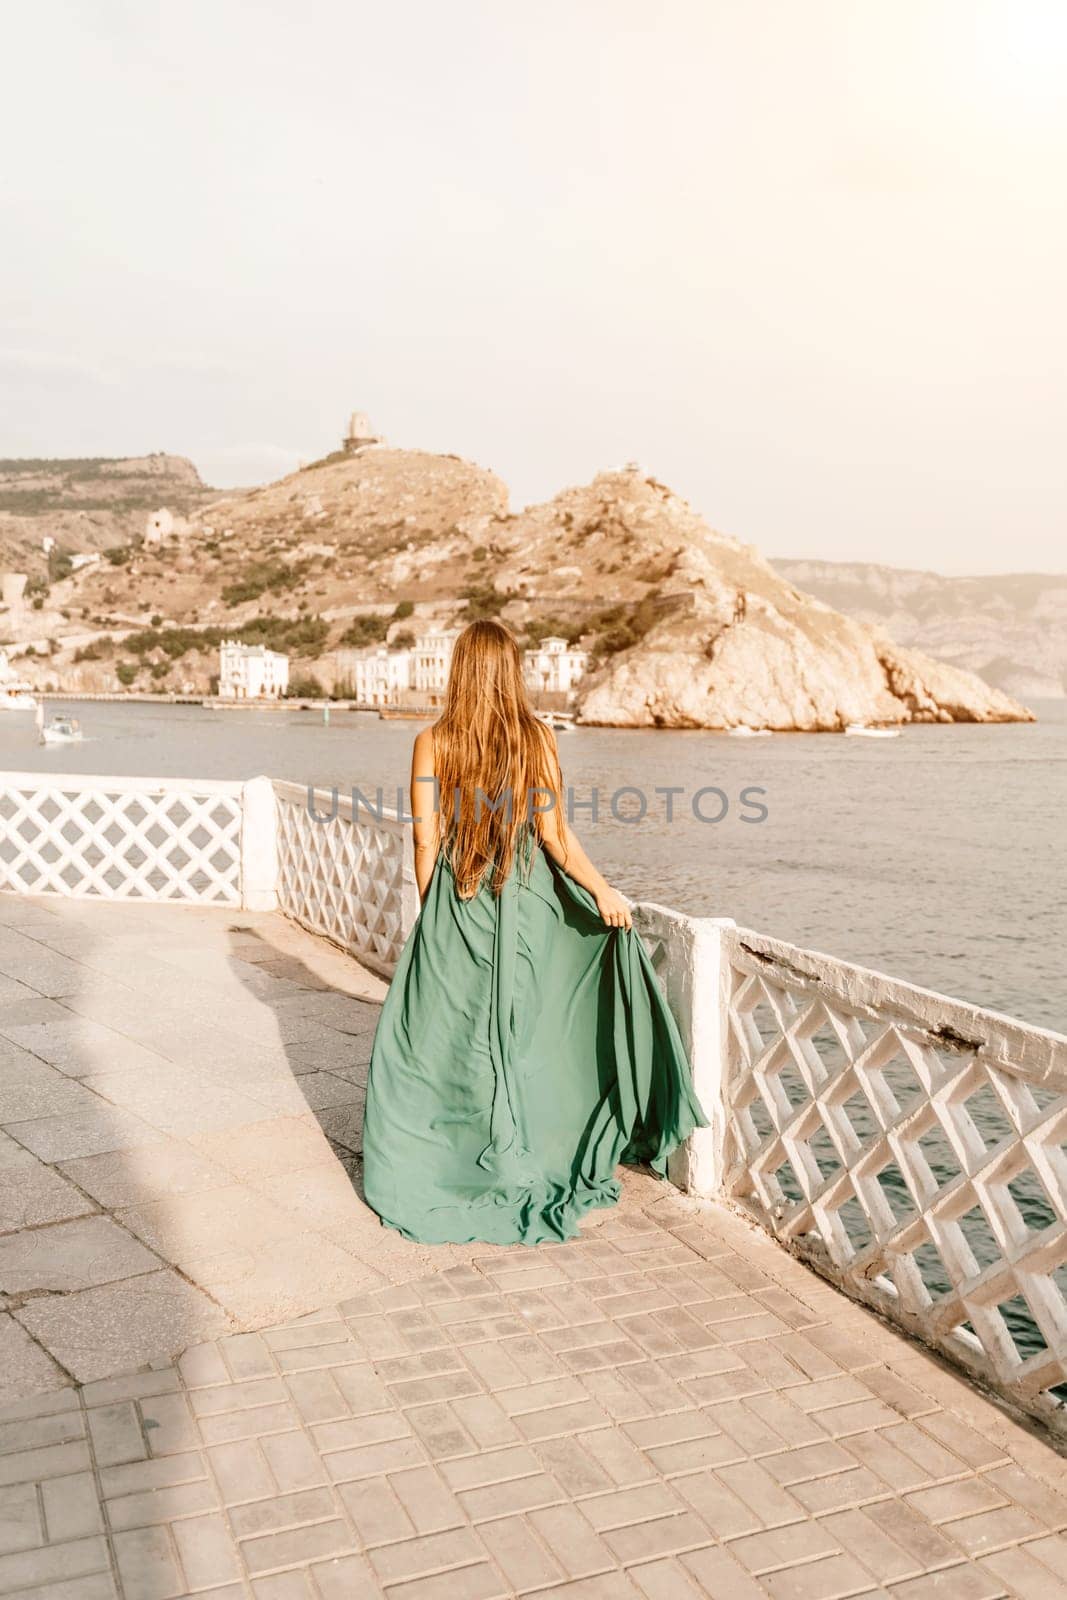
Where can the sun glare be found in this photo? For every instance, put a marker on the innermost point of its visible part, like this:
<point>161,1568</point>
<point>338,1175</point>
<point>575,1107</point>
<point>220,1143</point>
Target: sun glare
<point>1021,47</point>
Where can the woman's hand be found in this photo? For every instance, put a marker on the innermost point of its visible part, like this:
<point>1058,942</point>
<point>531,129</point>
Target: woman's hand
<point>614,909</point>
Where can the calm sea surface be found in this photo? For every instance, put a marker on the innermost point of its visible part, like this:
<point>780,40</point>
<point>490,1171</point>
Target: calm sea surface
<point>938,857</point>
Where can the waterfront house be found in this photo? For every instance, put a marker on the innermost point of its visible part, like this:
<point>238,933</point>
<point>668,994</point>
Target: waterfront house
<point>431,659</point>
<point>376,676</point>
<point>554,667</point>
<point>251,671</point>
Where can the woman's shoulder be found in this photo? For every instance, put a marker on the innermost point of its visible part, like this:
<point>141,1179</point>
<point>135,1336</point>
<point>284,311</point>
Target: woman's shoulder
<point>423,748</point>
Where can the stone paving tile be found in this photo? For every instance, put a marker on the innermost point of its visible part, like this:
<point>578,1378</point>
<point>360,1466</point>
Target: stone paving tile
<point>86,1132</point>
<point>670,1406</point>
<point>36,1009</point>
<point>12,991</point>
<point>31,963</point>
<point>203,1225</point>
<point>311,1457</point>
<point>13,1154</point>
<point>32,1194</point>
<point>251,1283</point>
<point>78,1047</point>
<point>25,1368</point>
<point>121,1324</point>
<point>71,1255</point>
<point>269,1149</point>
<point>178,1103</point>
<point>30,1088</point>
<point>159,1170</point>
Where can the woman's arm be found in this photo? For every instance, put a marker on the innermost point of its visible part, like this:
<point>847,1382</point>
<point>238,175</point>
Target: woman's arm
<point>426,819</point>
<point>562,845</point>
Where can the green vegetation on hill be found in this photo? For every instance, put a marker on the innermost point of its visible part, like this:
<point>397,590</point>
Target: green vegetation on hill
<point>365,630</point>
<point>94,483</point>
<point>305,687</point>
<point>31,502</point>
<point>483,601</point>
<point>264,577</point>
<point>620,626</point>
<point>70,466</point>
<point>303,636</point>
<point>538,629</point>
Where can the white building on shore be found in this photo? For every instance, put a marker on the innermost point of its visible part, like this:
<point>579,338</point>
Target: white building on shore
<point>431,660</point>
<point>378,676</point>
<point>251,671</point>
<point>554,668</point>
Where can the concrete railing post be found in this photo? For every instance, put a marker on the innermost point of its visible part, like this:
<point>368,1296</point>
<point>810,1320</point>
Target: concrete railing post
<point>695,974</point>
<point>259,846</point>
<point>701,1160</point>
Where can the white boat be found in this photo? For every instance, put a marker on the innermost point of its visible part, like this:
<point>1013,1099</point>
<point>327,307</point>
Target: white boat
<point>61,730</point>
<point>17,696</point>
<point>743,731</point>
<point>860,730</point>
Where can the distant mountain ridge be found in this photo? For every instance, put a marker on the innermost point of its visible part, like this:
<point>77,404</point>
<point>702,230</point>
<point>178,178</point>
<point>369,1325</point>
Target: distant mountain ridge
<point>1009,628</point>
<point>88,502</point>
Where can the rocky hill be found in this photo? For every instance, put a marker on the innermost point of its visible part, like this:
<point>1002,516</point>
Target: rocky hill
<point>86,504</point>
<point>687,627</point>
<point>1012,629</point>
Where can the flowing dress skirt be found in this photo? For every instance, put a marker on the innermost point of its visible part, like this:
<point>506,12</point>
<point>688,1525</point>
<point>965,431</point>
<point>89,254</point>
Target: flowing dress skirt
<point>523,1051</point>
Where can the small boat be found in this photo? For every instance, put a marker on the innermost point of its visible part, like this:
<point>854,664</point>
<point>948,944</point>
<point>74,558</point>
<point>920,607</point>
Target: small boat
<point>743,731</point>
<point>61,730</point>
<point>17,697</point>
<point>860,730</point>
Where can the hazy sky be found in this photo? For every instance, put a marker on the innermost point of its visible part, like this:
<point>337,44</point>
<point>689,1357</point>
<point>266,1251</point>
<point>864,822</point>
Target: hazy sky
<point>803,259</point>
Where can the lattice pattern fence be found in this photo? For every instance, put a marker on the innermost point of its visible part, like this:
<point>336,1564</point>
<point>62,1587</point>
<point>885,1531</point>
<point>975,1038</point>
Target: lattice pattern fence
<point>121,839</point>
<point>911,1146</point>
<point>348,877</point>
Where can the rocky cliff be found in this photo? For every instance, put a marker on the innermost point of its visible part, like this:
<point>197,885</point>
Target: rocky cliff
<point>722,639</point>
<point>686,627</point>
<point>1009,628</point>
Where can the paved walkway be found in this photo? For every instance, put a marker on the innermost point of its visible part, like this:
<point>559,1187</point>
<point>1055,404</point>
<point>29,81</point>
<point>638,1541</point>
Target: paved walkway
<point>669,1407</point>
<point>181,1114</point>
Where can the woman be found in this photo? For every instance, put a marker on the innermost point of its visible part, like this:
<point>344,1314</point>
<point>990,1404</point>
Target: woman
<point>524,1048</point>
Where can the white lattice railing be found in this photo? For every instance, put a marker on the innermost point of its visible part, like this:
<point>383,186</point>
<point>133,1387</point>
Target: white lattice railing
<point>258,844</point>
<point>348,875</point>
<point>121,838</point>
<point>909,1146</point>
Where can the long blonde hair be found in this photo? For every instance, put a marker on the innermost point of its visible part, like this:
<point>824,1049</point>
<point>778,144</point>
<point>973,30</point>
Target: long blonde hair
<point>489,750</point>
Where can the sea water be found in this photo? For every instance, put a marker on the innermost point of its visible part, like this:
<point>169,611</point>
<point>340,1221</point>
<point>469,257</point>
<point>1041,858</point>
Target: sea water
<point>937,857</point>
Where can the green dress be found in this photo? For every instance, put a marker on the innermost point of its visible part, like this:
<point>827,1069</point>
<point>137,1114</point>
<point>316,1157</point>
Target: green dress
<point>524,1049</point>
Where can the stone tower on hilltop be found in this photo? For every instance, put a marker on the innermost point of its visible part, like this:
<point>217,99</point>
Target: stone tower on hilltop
<point>360,433</point>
